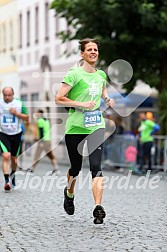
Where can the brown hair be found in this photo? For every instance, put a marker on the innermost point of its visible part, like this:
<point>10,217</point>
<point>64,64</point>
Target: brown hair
<point>85,41</point>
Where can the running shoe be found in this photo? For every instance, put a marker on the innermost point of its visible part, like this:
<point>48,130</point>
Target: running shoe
<point>29,170</point>
<point>7,187</point>
<point>68,203</point>
<point>99,214</point>
<point>56,171</point>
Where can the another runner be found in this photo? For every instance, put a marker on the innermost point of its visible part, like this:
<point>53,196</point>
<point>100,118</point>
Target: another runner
<point>12,112</point>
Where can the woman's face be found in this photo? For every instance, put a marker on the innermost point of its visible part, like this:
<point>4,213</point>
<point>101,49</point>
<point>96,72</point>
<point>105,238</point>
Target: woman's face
<point>90,53</point>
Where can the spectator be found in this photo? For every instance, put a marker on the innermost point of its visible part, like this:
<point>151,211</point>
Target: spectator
<point>146,131</point>
<point>130,156</point>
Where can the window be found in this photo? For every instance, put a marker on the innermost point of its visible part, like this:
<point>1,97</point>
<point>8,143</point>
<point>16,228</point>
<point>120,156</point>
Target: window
<point>46,21</point>
<point>20,30</point>
<point>24,98</point>
<point>36,24</point>
<point>11,36</point>
<point>4,37</point>
<point>35,97</point>
<point>28,28</point>
<point>23,84</point>
<point>57,24</point>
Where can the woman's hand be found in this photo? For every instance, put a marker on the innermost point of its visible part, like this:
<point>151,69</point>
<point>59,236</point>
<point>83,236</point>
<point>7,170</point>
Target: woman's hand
<point>110,102</point>
<point>89,104</point>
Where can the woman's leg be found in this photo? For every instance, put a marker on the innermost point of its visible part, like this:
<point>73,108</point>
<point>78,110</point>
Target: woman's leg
<point>95,148</point>
<point>75,157</point>
<point>72,142</point>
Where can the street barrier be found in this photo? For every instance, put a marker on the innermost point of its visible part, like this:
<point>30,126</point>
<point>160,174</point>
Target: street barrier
<point>117,147</point>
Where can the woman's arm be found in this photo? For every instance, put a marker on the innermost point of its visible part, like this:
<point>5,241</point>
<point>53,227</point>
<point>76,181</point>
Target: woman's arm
<point>62,99</point>
<point>110,102</point>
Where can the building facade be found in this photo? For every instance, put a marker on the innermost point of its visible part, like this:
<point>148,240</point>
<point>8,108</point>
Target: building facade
<point>33,59</point>
<point>8,45</point>
<point>41,54</point>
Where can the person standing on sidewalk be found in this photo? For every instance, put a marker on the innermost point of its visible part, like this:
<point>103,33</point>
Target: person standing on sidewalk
<point>146,131</point>
<point>44,142</point>
<point>81,91</point>
<point>12,113</point>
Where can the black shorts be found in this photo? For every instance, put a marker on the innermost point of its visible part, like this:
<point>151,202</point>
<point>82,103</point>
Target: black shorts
<point>10,143</point>
<point>75,144</point>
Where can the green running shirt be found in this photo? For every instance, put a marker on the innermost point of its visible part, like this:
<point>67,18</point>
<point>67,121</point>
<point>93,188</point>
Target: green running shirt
<point>146,129</point>
<point>45,125</point>
<point>85,87</point>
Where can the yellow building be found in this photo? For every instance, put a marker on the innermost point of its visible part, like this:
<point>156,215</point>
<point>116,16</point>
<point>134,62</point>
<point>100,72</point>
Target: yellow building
<point>9,45</point>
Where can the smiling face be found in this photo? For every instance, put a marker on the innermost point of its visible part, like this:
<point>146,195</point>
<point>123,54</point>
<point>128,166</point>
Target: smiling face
<point>90,54</point>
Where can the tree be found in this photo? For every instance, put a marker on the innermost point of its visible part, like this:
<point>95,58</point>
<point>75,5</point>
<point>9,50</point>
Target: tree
<point>131,30</point>
<point>163,111</point>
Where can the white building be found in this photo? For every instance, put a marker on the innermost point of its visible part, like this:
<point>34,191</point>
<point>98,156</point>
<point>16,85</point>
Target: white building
<point>8,45</point>
<point>40,50</point>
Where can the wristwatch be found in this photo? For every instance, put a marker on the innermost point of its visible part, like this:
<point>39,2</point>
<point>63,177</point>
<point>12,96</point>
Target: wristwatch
<point>106,98</point>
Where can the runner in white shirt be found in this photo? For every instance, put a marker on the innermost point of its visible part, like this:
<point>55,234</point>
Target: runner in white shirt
<point>12,113</point>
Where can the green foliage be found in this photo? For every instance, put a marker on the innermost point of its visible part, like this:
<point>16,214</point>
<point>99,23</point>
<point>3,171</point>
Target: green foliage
<point>163,112</point>
<point>135,31</point>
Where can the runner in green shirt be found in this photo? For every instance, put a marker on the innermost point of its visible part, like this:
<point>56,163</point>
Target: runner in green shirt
<point>44,143</point>
<point>81,90</point>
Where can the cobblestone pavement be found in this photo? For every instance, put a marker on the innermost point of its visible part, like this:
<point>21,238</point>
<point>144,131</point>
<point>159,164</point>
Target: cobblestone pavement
<point>32,218</point>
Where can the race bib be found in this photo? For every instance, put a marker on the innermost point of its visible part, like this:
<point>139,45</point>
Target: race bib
<point>92,118</point>
<point>8,118</point>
